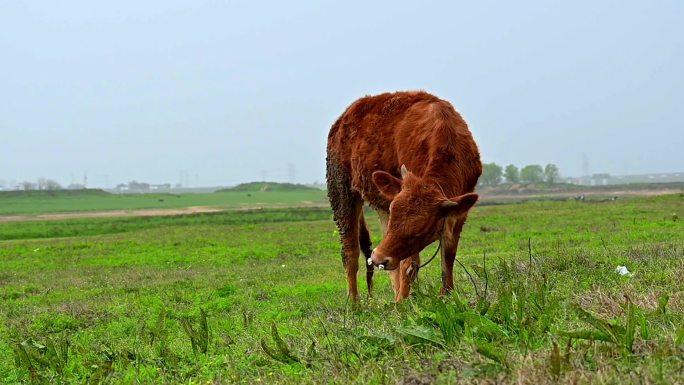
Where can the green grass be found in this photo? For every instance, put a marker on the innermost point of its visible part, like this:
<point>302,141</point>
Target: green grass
<point>30,203</point>
<point>259,297</point>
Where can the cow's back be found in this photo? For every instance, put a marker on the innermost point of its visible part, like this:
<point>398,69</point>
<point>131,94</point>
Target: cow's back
<point>417,129</point>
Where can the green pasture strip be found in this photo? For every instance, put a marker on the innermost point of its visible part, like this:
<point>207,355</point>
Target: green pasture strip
<point>251,299</point>
<point>32,203</point>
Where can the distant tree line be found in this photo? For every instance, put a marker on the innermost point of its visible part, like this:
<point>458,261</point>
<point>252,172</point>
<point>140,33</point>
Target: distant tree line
<point>493,174</point>
<point>40,184</point>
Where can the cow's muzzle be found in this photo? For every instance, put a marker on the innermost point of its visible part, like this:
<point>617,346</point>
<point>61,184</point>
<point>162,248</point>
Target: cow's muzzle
<point>382,262</point>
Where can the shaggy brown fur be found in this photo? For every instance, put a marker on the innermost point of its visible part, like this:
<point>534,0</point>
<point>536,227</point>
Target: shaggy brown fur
<point>367,147</point>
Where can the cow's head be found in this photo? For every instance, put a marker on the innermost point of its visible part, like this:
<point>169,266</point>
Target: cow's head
<point>418,210</point>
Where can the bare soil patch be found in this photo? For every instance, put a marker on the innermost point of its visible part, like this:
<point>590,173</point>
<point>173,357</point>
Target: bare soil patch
<point>111,214</point>
<point>491,195</point>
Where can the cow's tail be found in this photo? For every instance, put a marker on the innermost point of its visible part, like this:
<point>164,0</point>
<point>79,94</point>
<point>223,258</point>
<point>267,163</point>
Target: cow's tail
<point>366,247</point>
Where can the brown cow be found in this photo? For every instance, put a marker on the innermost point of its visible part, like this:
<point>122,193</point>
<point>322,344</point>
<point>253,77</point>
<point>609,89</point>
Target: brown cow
<point>371,149</point>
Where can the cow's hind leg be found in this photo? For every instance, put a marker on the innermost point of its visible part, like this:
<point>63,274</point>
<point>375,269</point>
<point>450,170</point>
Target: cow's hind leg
<point>449,249</point>
<point>366,247</point>
<point>349,235</point>
<point>346,206</point>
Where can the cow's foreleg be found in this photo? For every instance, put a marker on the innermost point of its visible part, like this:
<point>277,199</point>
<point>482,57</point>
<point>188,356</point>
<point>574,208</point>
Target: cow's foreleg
<point>407,274</point>
<point>449,249</point>
<point>383,217</point>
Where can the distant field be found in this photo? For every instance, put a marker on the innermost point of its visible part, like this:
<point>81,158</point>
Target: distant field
<point>31,203</point>
<point>269,194</point>
<point>259,297</point>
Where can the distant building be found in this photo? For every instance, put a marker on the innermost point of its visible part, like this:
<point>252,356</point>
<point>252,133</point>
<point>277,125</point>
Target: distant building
<point>121,188</point>
<point>141,187</point>
<point>160,187</point>
<point>600,179</point>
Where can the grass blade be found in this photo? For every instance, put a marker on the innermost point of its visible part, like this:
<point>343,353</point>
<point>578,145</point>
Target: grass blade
<point>203,332</point>
<point>630,327</point>
<point>494,354</point>
<point>614,332</point>
<point>555,361</point>
<point>662,303</point>
<point>282,352</point>
<point>591,335</point>
<point>420,334</point>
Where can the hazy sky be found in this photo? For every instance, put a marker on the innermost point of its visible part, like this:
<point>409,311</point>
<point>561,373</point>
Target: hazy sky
<point>222,91</point>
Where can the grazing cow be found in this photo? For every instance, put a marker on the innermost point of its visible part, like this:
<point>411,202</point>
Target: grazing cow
<point>411,156</point>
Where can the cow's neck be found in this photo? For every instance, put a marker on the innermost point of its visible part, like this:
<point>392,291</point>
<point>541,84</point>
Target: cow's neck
<point>448,174</point>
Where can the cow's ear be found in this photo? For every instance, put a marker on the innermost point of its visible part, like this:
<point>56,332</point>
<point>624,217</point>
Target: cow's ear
<point>459,205</point>
<point>404,171</point>
<point>388,185</point>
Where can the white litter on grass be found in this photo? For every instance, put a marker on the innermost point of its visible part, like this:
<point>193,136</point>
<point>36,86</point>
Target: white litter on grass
<point>37,249</point>
<point>622,270</point>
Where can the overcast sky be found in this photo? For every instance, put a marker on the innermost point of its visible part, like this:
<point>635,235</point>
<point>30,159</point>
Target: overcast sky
<point>223,92</point>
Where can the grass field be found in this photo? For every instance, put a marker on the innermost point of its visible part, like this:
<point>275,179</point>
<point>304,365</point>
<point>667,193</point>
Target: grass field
<point>259,297</point>
<point>40,202</point>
